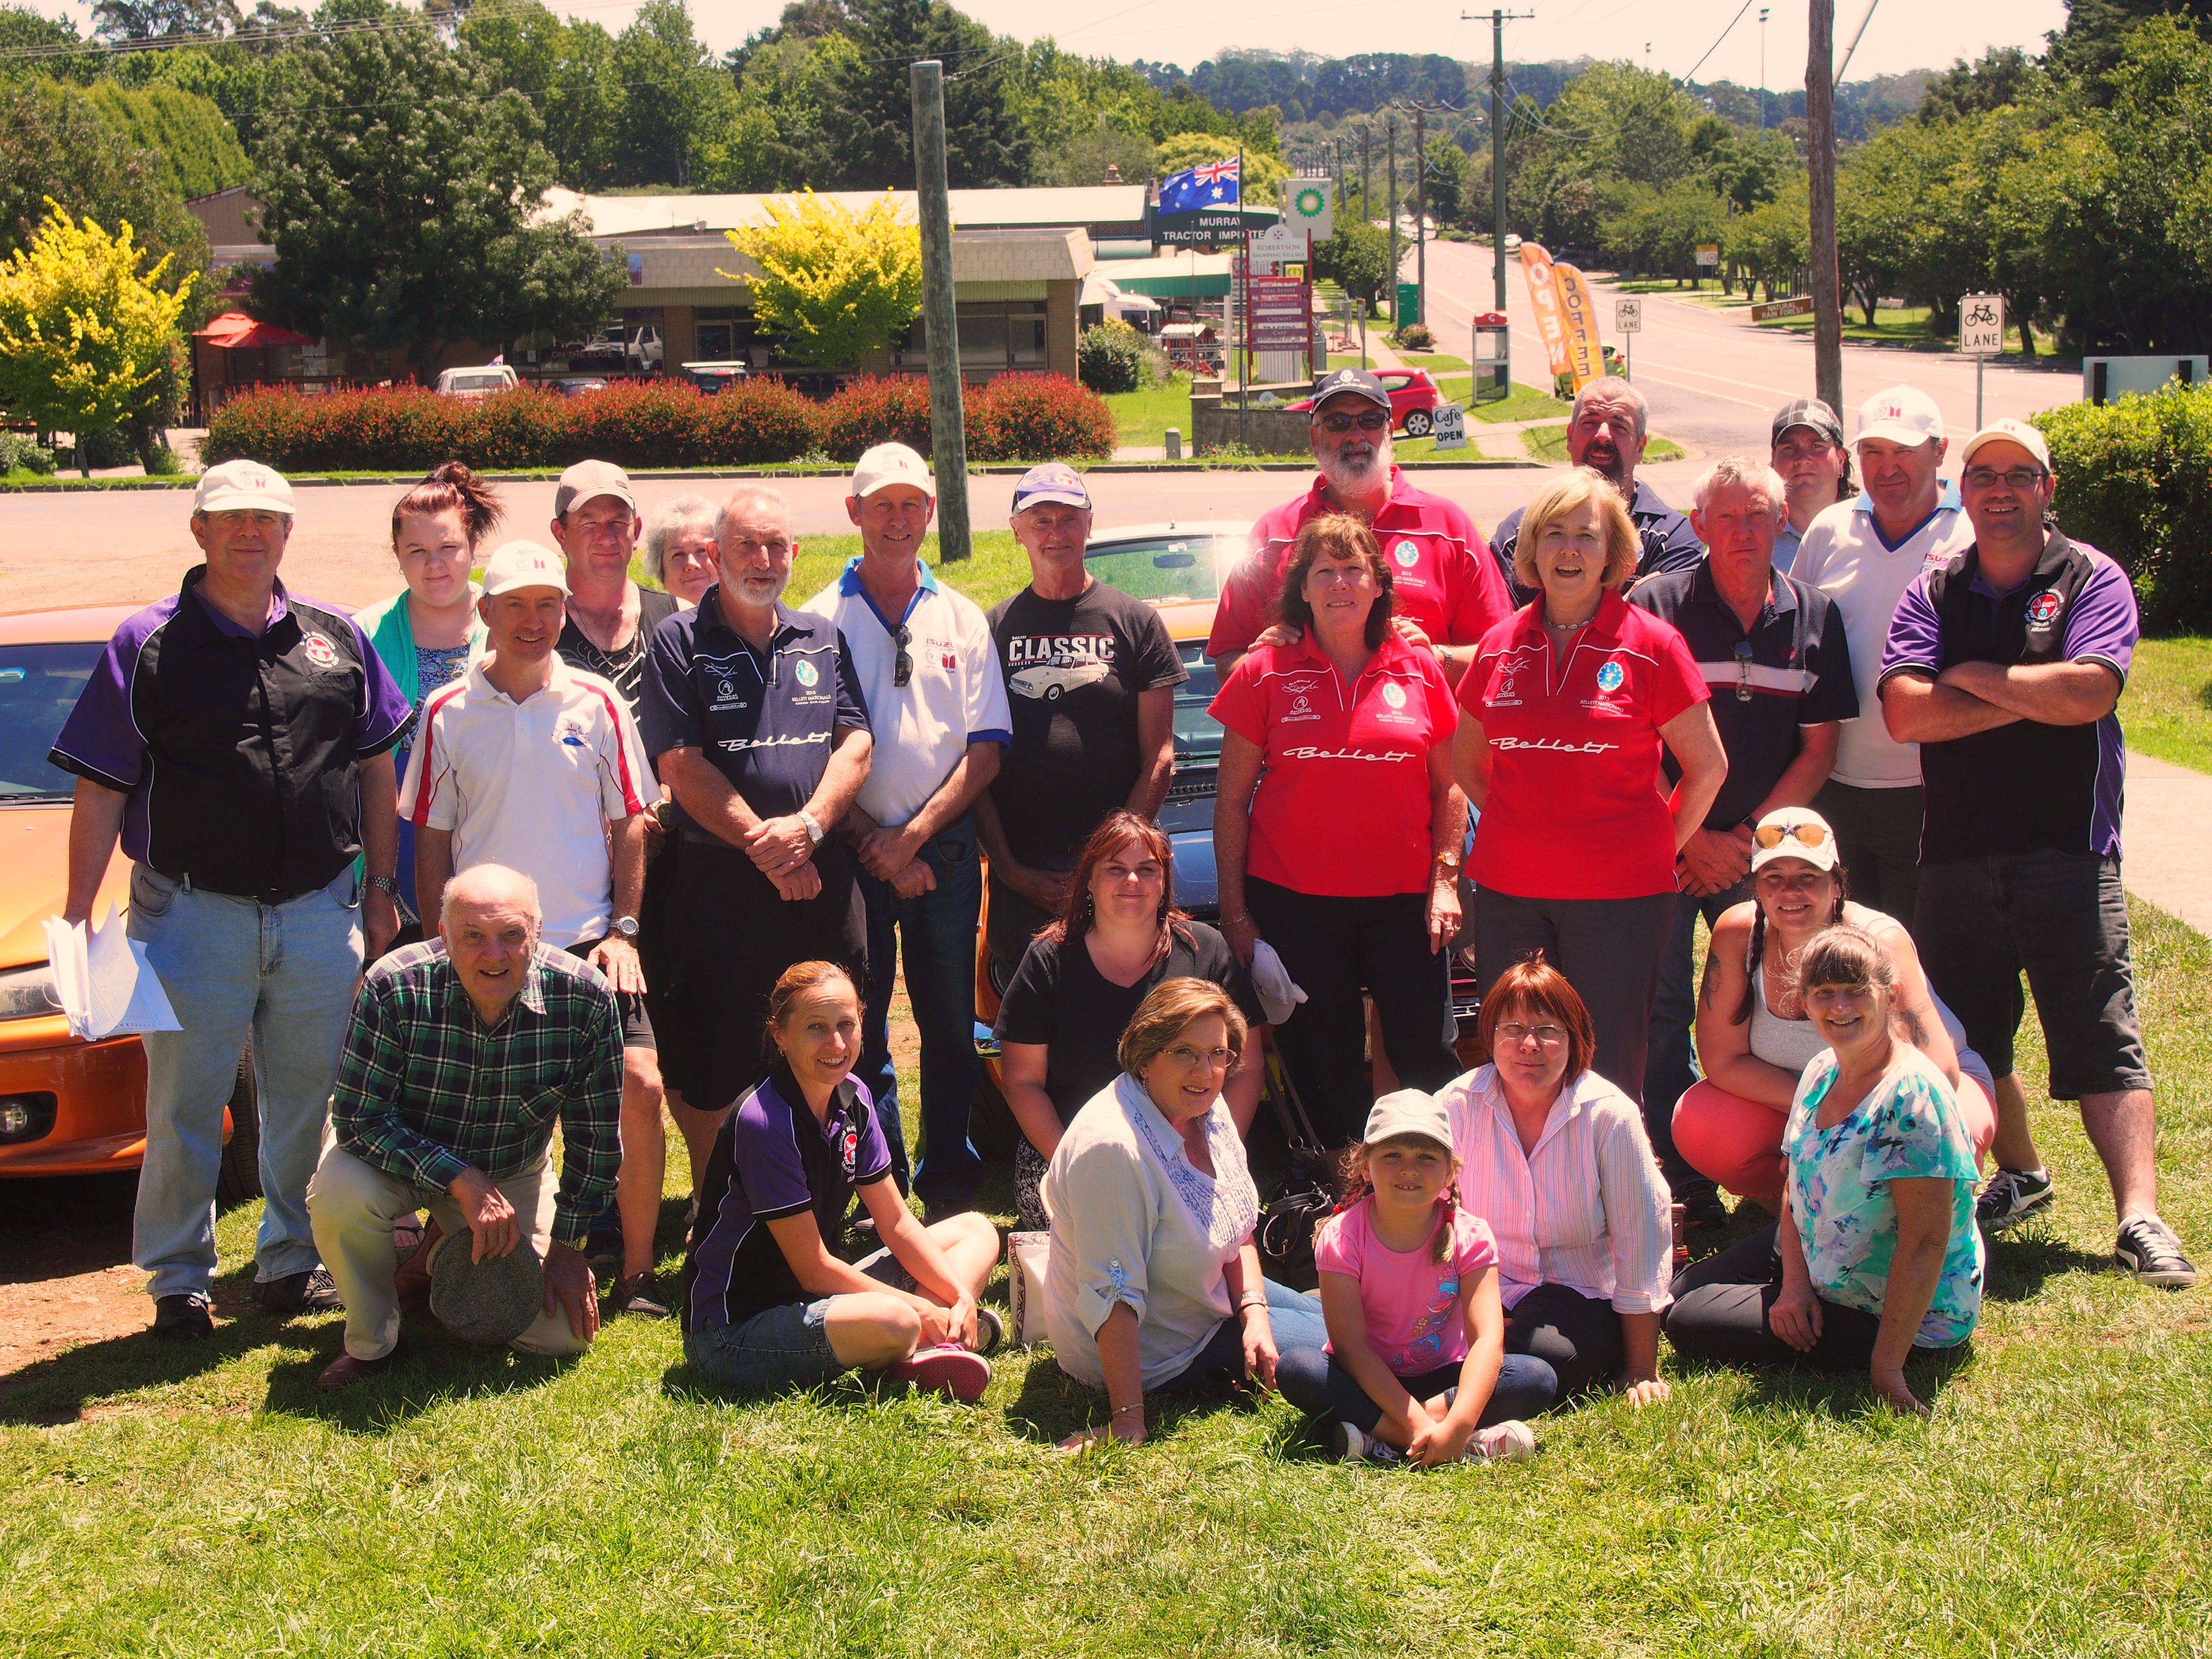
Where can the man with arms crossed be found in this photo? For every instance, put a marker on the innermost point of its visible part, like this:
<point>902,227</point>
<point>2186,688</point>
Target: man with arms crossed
<point>2006,665</point>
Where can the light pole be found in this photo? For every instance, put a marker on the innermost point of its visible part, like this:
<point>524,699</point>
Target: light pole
<point>1762,69</point>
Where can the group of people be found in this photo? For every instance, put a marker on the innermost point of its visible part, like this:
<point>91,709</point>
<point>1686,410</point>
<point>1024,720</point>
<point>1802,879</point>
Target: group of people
<point>553,848</point>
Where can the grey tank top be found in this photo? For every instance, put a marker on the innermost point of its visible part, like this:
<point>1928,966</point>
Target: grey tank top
<point>1791,1044</point>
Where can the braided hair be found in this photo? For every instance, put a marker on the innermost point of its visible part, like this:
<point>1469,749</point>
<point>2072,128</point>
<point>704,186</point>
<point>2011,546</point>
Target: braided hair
<point>1354,1183</point>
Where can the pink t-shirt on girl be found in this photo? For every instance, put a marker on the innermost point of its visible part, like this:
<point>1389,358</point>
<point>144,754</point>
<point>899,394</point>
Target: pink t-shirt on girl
<point>1414,1321</point>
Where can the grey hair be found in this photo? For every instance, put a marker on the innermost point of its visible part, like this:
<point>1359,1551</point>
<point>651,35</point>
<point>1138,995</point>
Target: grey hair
<point>1613,386</point>
<point>672,518</point>
<point>457,890</point>
<point>752,494</point>
<point>1753,475</point>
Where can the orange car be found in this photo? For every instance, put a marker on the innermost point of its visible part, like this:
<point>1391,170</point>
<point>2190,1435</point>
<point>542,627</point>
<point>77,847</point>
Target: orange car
<point>67,1106</point>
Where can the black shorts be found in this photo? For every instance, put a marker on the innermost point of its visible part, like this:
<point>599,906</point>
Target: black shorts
<point>637,1025</point>
<point>728,935</point>
<point>2062,918</point>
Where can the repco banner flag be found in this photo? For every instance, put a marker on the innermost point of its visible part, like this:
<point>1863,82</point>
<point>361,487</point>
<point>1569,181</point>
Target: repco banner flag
<point>1544,295</point>
<point>1585,356</point>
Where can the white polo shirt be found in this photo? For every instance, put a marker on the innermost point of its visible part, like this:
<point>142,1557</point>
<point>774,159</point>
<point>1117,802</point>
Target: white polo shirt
<point>1842,555</point>
<point>533,786</point>
<point>955,696</point>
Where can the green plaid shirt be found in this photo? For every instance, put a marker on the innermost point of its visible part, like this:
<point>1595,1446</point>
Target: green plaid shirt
<point>426,1089</point>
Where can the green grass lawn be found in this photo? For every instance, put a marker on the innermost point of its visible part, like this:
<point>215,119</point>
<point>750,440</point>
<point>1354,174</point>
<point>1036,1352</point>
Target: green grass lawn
<point>2167,710</point>
<point>1524,403</point>
<point>1143,417</point>
<point>209,1501</point>
<point>1549,443</point>
<point>995,568</point>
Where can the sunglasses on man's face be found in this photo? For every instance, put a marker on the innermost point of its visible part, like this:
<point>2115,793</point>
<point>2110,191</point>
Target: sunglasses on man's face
<point>1338,425</point>
<point>902,664</point>
<point>1772,836</point>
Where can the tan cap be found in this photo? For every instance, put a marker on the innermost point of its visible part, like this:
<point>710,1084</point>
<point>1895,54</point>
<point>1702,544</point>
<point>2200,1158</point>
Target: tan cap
<point>242,487</point>
<point>524,564</point>
<point>891,464</point>
<point>1409,1112</point>
<point>2019,431</point>
<point>588,478</point>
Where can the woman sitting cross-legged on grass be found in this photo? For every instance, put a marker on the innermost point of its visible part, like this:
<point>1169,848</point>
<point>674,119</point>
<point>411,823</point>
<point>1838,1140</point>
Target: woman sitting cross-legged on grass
<point>1755,1043</point>
<point>766,1304</point>
<point>1417,1365</point>
<point>1154,1283</point>
<point>1876,1253</point>
<point>1555,1161</point>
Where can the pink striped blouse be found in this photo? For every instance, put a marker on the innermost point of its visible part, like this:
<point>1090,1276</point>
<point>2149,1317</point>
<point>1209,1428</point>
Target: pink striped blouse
<point>1587,1209</point>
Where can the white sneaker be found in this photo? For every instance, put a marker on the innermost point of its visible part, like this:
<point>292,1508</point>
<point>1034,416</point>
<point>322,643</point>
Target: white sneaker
<point>1510,1441</point>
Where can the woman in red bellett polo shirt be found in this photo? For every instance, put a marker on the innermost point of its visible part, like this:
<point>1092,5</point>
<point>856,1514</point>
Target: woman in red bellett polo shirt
<point>1346,861</point>
<point>1567,703</point>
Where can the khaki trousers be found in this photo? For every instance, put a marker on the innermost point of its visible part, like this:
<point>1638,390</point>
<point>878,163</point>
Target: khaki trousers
<point>351,1205</point>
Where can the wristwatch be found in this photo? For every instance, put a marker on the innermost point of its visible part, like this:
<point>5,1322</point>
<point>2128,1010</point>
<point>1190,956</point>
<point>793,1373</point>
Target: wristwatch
<point>623,927</point>
<point>814,830</point>
<point>384,885</point>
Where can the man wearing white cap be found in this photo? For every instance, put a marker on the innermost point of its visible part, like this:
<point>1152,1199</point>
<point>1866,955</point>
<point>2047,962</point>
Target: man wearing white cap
<point>1863,553</point>
<point>239,739</point>
<point>937,705</point>
<point>527,763</point>
<point>2006,665</point>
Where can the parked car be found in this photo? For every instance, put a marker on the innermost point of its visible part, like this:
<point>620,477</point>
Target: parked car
<point>711,378</point>
<point>608,348</point>
<point>576,388</point>
<point>1414,397</point>
<point>645,353</point>
<point>67,1106</point>
<point>474,383</point>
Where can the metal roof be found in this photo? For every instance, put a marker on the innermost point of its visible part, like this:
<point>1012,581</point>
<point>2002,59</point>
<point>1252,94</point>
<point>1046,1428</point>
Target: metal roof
<point>972,210</point>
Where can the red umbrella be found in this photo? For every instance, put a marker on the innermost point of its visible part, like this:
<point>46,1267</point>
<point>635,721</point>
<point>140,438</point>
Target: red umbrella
<point>236,331</point>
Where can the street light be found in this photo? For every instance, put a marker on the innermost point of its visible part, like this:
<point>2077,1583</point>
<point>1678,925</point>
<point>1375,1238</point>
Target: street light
<point>1762,69</point>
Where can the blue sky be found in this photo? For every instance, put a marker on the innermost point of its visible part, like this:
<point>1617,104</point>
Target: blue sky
<point>1903,34</point>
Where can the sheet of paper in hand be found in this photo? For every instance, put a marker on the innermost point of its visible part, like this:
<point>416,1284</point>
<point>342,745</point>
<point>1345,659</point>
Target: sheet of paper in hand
<point>105,985</point>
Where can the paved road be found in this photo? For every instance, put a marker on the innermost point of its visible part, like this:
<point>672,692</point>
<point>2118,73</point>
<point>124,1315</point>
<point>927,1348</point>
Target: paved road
<point>1714,381</point>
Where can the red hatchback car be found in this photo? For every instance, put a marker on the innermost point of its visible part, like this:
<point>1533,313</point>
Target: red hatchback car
<point>1413,400</point>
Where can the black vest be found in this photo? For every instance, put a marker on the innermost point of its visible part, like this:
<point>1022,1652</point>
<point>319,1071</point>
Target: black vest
<point>2027,787</point>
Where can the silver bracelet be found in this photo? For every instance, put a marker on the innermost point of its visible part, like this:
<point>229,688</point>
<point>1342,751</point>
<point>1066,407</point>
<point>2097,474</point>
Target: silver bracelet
<point>1123,1411</point>
<point>1251,1299</point>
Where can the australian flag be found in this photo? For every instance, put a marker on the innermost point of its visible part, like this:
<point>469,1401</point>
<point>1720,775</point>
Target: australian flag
<point>1196,189</point>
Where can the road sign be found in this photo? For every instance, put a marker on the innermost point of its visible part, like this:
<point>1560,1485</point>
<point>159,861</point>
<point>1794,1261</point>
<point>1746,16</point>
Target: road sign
<point>1628,316</point>
<point>1709,253</point>
<point>1801,305</point>
<point>1981,325</point>
<point>1449,425</point>
<point>1307,207</point>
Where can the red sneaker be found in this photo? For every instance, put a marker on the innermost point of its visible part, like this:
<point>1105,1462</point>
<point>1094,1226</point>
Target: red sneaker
<point>949,1369</point>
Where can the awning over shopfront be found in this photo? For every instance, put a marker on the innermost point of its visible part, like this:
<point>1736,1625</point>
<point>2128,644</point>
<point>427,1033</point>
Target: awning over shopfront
<point>1174,276</point>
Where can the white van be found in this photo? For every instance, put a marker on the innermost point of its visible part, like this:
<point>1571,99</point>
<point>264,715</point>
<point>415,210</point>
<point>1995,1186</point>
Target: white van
<point>476,382</point>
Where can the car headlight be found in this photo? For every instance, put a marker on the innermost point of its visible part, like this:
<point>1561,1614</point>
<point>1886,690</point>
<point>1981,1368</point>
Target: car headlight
<point>30,993</point>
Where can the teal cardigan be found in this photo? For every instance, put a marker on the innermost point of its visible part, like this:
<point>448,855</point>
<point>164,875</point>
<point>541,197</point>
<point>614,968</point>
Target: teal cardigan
<point>393,634</point>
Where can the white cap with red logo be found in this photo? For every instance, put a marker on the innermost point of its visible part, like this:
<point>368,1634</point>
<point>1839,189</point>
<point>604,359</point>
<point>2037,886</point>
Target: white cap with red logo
<point>524,564</point>
<point>242,487</point>
<point>1899,415</point>
<point>2019,431</point>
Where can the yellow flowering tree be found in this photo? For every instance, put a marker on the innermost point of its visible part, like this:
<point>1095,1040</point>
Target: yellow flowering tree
<point>835,283</point>
<point>83,331</point>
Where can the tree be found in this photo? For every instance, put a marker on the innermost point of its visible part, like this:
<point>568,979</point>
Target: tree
<point>837,284</point>
<point>197,151</point>
<point>83,331</point>
<point>1357,257</point>
<point>1263,173</point>
<point>404,193</point>
<point>1446,182</point>
<point>672,95</point>
<point>873,131</point>
<point>155,20</point>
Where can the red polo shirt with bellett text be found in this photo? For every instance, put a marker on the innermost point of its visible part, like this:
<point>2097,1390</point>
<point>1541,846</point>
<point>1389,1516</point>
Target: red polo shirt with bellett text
<point>1574,810</point>
<point>1342,808</point>
<point>1441,571</point>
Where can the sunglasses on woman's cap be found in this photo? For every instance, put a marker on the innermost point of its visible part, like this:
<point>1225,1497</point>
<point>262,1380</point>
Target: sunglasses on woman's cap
<point>1773,835</point>
<point>1788,832</point>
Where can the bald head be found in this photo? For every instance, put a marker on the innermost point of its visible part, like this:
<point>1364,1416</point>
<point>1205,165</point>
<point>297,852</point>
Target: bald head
<point>493,885</point>
<point>488,917</point>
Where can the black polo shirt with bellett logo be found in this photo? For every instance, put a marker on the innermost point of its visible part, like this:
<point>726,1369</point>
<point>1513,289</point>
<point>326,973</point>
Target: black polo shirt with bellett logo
<point>239,752</point>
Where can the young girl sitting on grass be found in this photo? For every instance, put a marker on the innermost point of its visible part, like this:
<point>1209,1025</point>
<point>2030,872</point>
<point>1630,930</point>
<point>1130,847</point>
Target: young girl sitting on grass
<point>1417,1365</point>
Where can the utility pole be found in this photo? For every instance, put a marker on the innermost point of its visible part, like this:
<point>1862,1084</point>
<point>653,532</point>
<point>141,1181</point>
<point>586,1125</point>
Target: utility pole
<point>1421,210</point>
<point>1390,131</point>
<point>1762,68</point>
<point>1497,20</point>
<point>948,439</point>
<point>1827,279</point>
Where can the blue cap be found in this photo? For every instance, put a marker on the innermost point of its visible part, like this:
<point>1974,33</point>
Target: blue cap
<point>1055,480</point>
<point>1357,382</point>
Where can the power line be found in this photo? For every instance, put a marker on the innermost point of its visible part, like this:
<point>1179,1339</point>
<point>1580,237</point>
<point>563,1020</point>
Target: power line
<point>1715,45</point>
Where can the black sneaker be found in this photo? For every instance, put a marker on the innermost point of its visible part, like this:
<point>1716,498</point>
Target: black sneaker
<point>2010,1197</point>
<point>1705,1208</point>
<point>184,1317</point>
<point>2148,1249</point>
<point>313,1291</point>
<point>603,1249</point>
<point>641,1297</point>
<point>990,1330</point>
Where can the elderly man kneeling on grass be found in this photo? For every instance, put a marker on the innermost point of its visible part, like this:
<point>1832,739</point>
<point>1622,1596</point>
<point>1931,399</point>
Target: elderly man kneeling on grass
<point>463,1053</point>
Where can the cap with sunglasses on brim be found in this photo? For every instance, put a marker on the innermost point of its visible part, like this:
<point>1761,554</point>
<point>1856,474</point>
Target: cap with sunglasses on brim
<point>891,464</point>
<point>2019,431</point>
<point>1409,1112</point>
<point>1813,414</point>
<point>1793,832</point>
<point>1055,480</point>
<point>1358,382</point>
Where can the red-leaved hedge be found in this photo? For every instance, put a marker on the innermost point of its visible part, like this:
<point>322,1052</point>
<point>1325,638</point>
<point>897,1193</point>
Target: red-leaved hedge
<point>647,423</point>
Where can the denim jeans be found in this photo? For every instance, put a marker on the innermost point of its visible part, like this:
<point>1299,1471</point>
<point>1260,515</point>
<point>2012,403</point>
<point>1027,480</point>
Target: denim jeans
<point>1301,1366</point>
<point>1671,1066</point>
<point>938,930</point>
<point>1526,1386</point>
<point>785,1346</point>
<point>284,975</point>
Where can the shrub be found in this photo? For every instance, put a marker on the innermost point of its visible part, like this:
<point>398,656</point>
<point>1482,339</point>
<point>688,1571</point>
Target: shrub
<point>1037,417</point>
<point>526,427</point>
<point>20,452</point>
<point>754,421</point>
<point>1415,337</point>
<point>870,410</point>
<point>2134,480</point>
<point>1110,357</point>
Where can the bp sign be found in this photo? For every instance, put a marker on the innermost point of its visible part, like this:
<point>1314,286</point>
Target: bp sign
<point>1307,207</point>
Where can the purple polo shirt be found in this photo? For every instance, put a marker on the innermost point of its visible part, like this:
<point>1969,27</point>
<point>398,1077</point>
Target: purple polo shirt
<point>238,752</point>
<point>2027,786</point>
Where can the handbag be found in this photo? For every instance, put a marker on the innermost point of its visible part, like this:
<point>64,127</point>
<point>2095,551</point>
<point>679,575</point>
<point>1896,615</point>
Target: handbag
<point>1029,1258</point>
<point>1284,1235</point>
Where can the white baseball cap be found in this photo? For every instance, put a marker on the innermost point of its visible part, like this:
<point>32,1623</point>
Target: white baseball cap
<point>1794,832</point>
<point>524,564</point>
<point>2019,431</point>
<point>1899,415</point>
<point>242,486</point>
<point>1409,1112</point>
<point>891,464</point>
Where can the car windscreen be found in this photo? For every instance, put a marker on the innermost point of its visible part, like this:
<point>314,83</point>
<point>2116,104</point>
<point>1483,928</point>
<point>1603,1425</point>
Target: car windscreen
<point>1197,733</point>
<point>1161,568</point>
<point>38,686</point>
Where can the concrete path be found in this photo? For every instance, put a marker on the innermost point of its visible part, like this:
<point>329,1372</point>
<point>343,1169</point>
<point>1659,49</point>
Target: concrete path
<point>2163,839</point>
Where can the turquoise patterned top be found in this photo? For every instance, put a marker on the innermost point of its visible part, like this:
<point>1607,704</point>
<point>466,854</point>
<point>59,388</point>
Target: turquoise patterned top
<point>1908,1126</point>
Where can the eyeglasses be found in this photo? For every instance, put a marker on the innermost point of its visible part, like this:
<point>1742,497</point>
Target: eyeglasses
<point>1190,1059</point>
<point>902,664</point>
<point>1743,670</point>
<point>1512,1031</point>
<point>1772,836</point>
<point>2015,477</point>
<point>1338,425</point>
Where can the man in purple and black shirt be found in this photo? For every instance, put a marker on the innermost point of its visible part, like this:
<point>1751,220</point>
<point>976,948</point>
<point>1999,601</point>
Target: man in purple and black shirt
<point>239,738</point>
<point>2006,665</point>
